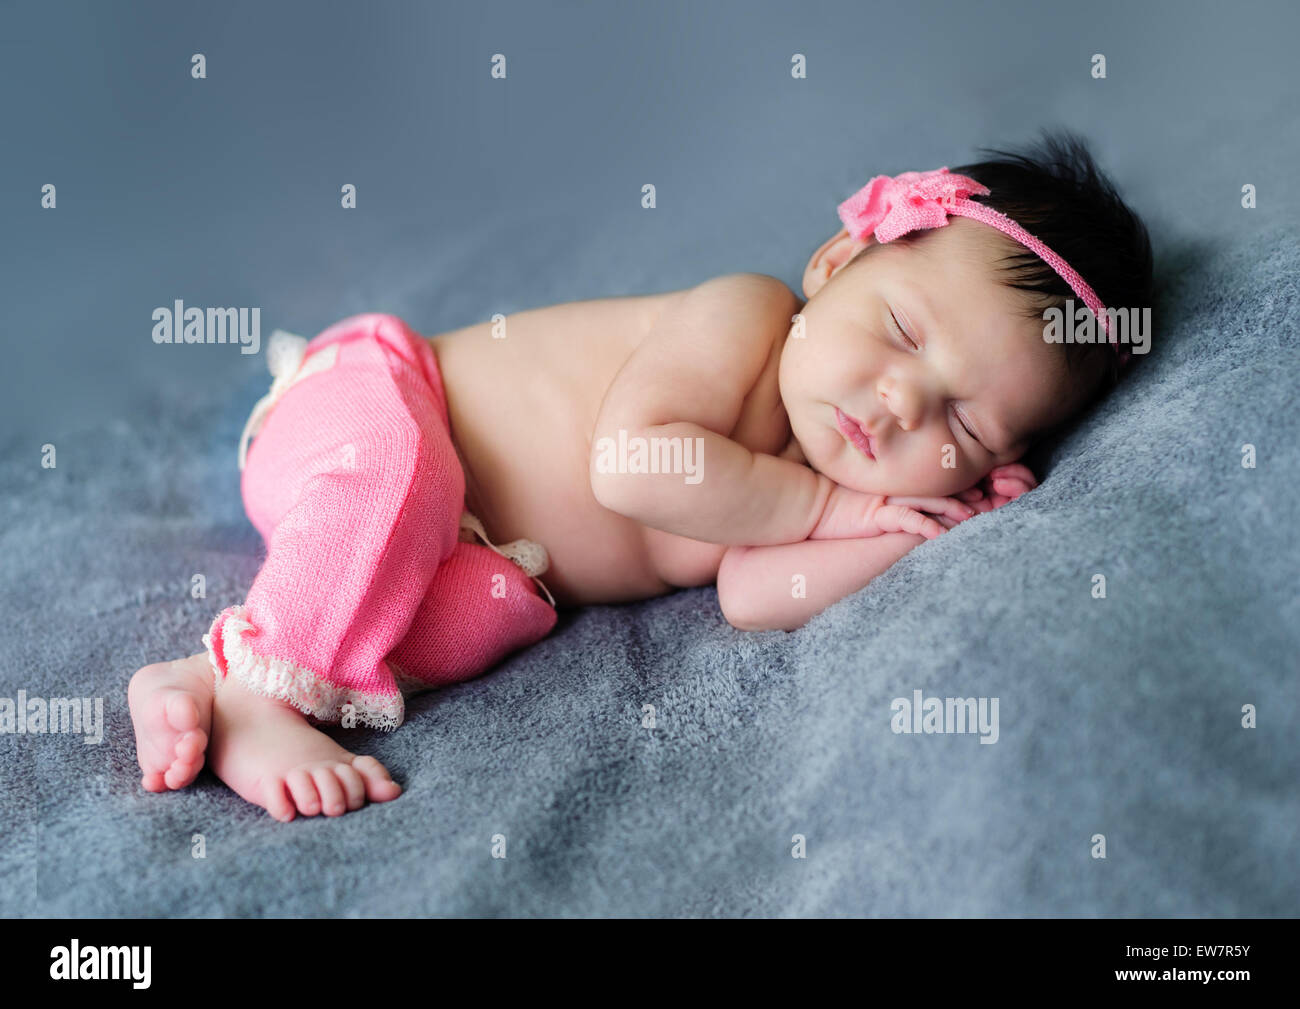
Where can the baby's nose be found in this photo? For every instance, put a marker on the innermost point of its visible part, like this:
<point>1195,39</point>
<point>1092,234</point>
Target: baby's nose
<point>900,402</point>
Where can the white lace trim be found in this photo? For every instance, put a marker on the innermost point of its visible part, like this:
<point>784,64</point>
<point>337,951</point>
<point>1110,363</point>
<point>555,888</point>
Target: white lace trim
<point>301,687</point>
<point>529,556</point>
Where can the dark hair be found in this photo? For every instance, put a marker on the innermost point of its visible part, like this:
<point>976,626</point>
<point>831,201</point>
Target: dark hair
<point>1054,190</point>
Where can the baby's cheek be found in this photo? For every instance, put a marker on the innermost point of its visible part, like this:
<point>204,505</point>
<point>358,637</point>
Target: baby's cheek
<point>954,471</point>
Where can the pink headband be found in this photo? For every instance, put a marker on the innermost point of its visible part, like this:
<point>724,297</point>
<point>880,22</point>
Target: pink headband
<point>892,206</point>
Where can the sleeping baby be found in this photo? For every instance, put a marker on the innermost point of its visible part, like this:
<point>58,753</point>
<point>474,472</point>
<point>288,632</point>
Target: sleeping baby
<point>427,503</point>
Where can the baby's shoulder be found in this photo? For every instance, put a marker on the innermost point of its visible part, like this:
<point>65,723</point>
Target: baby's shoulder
<point>758,290</point>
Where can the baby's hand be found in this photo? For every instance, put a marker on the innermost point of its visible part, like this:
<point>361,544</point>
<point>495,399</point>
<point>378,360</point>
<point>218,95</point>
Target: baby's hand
<point>946,511</point>
<point>1006,483</point>
<point>850,514</point>
<point>1003,485</point>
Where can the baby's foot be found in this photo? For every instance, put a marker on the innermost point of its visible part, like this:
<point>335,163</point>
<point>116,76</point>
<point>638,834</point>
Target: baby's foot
<point>171,707</point>
<point>270,755</point>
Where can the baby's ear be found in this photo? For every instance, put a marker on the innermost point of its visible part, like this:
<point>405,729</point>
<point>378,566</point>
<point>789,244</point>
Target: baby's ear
<point>827,260</point>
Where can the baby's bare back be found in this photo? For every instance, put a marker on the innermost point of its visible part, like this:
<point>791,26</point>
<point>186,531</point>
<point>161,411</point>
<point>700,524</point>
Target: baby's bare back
<point>523,407</point>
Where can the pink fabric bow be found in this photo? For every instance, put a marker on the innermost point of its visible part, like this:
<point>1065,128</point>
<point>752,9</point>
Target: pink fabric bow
<point>889,206</point>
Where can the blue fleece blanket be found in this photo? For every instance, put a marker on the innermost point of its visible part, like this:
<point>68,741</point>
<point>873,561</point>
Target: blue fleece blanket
<point>1160,720</point>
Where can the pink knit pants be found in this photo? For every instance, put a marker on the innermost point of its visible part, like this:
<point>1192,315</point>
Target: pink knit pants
<point>366,590</point>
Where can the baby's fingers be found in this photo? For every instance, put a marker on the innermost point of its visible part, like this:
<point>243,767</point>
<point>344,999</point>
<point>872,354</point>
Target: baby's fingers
<point>895,518</point>
<point>1013,475</point>
<point>948,507</point>
<point>1009,490</point>
<point>1016,470</point>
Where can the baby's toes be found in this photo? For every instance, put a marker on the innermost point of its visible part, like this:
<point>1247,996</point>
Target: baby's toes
<point>303,789</point>
<point>354,786</point>
<point>181,710</point>
<point>156,756</point>
<point>332,802</point>
<point>191,746</point>
<point>182,772</point>
<point>276,799</point>
<point>187,760</point>
<point>380,786</point>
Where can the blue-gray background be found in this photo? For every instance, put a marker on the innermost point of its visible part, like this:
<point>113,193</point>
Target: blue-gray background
<point>478,196</point>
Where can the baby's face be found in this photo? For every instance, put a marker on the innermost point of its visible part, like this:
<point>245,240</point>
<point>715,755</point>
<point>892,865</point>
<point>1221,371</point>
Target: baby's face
<point>923,351</point>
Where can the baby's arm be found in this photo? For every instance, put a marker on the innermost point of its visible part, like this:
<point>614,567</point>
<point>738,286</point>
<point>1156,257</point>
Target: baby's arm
<point>688,379</point>
<point>780,588</point>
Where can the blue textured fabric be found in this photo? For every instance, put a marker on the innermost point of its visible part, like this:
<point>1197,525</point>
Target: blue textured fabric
<point>1118,716</point>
